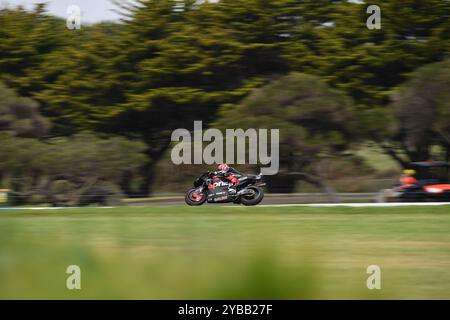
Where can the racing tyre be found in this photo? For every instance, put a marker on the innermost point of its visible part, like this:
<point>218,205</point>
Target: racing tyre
<point>254,199</point>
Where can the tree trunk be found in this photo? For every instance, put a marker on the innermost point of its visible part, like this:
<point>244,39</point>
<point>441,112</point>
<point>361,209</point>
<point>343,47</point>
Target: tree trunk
<point>125,183</point>
<point>322,184</point>
<point>446,154</point>
<point>149,169</point>
<point>315,180</point>
<point>393,154</point>
<point>149,174</point>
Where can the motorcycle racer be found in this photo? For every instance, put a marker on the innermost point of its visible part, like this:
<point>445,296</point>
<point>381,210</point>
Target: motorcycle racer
<point>225,186</point>
<point>230,174</point>
<point>408,180</point>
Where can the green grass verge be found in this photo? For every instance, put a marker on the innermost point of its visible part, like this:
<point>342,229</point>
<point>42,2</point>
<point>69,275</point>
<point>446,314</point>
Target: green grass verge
<point>222,252</point>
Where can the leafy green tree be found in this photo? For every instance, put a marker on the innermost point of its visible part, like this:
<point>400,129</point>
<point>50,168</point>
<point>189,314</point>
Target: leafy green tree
<point>315,122</point>
<point>20,116</point>
<point>26,39</point>
<point>171,62</point>
<point>62,170</point>
<point>21,162</point>
<point>184,64</point>
<point>422,112</point>
<point>80,92</point>
<point>368,64</point>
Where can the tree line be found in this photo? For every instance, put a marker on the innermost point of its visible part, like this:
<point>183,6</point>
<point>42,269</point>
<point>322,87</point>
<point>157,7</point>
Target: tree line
<point>311,68</point>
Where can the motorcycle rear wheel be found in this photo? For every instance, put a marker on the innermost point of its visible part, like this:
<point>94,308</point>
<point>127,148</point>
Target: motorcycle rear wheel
<point>254,199</point>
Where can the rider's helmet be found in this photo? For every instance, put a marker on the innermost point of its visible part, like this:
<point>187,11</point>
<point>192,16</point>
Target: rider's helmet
<point>223,167</point>
<point>408,178</point>
<point>409,172</point>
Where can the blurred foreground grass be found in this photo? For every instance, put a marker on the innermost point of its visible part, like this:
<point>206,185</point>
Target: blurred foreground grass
<point>226,252</point>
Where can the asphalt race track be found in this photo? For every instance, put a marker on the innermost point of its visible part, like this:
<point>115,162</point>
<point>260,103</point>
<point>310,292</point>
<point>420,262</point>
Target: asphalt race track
<point>270,200</point>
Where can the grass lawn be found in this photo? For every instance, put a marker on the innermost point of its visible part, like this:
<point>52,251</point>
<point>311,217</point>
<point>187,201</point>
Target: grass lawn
<point>226,252</point>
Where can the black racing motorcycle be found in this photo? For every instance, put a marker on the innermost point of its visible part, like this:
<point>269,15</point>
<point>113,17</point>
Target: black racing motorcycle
<point>213,188</point>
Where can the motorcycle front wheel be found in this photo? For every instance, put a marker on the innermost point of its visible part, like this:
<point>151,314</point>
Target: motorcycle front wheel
<point>192,200</point>
<point>255,198</point>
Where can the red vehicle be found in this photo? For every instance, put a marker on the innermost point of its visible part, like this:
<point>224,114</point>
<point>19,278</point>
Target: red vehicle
<point>422,181</point>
